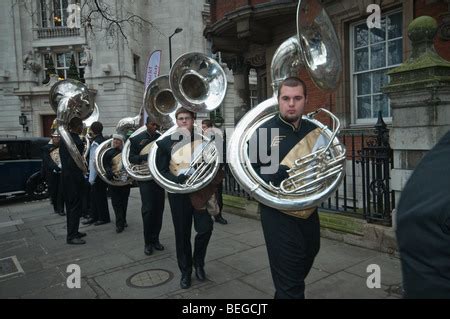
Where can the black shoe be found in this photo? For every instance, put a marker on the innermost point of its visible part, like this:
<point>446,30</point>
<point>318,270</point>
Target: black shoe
<point>158,246</point>
<point>89,221</point>
<point>200,273</point>
<point>219,219</point>
<point>81,235</point>
<point>119,230</point>
<point>76,241</point>
<point>148,250</point>
<point>125,225</point>
<point>100,222</point>
<point>185,281</point>
<point>62,213</point>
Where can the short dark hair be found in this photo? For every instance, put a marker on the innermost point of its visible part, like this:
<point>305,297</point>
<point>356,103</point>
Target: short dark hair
<point>292,82</point>
<point>148,120</point>
<point>184,110</point>
<point>75,122</point>
<point>207,122</point>
<point>97,128</point>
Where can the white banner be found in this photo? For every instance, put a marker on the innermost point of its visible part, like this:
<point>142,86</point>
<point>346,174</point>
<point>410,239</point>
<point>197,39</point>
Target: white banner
<point>153,67</point>
<point>152,72</point>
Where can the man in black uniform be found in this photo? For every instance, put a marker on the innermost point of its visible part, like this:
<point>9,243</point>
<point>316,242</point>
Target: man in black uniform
<point>99,198</point>
<point>73,180</point>
<point>171,164</point>
<point>292,238</point>
<point>119,194</point>
<point>209,130</point>
<point>52,173</point>
<point>423,226</point>
<point>152,195</point>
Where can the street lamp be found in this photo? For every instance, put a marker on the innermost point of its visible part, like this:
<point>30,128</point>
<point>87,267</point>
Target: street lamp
<point>177,30</point>
<point>23,121</point>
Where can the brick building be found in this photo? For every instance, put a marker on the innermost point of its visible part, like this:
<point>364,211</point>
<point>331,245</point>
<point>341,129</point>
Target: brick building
<point>247,33</point>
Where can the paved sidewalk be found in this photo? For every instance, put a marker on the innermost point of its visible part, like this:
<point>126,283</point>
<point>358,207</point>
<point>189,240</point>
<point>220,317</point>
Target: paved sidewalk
<point>115,266</point>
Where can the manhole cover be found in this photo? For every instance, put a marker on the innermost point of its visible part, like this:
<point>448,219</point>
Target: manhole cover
<point>149,278</point>
<point>9,266</point>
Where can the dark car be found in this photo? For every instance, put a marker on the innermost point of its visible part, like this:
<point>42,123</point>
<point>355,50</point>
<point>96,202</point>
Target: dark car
<point>20,168</point>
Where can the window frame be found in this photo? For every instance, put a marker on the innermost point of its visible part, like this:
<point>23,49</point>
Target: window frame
<point>76,53</point>
<point>353,74</point>
<point>49,11</point>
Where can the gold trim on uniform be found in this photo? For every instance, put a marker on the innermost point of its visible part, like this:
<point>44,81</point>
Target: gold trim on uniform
<point>181,158</point>
<point>302,148</point>
<point>116,164</point>
<point>146,149</point>
<point>54,154</point>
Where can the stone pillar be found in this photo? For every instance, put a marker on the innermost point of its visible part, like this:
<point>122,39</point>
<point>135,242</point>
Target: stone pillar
<point>419,91</point>
<point>241,86</point>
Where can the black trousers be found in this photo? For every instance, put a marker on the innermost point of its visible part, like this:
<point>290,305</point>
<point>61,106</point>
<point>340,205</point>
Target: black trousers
<point>99,201</point>
<point>182,214</point>
<point>119,200</point>
<point>152,197</point>
<point>220,197</point>
<point>292,244</point>
<point>55,189</point>
<point>86,210</point>
<point>73,185</point>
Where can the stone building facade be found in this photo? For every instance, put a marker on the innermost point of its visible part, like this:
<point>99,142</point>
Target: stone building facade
<point>36,37</point>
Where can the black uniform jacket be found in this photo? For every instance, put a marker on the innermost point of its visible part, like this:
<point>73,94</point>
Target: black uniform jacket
<point>278,137</point>
<point>107,161</point>
<point>166,157</point>
<point>48,164</point>
<point>138,142</point>
<point>69,167</point>
<point>423,225</point>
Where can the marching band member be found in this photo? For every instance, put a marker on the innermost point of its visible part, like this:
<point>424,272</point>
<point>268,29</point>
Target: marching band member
<point>292,238</point>
<point>99,198</point>
<point>119,194</point>
<point>52,172</point>
<point>73,180</point>
<point>216,200</point>
<point>172,159</point>
<point>152,195</point>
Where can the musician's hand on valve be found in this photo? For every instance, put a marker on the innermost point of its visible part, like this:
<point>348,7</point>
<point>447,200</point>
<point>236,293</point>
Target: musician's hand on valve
<point>280,175</point>
<point>182,178</point>
<point>109,176</point>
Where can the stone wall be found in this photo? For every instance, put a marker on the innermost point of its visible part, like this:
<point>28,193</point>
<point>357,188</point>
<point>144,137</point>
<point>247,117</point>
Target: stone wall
<point>111,74</point>
<point>420,99</point>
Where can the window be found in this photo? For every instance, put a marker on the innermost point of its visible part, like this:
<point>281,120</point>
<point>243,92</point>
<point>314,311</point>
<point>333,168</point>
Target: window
<point>253,98</point>
<point>59,63</point>
<point>136,65</point>
<point>60,12</point>
<point>53,13</point>
<point>43,10</point>
<point>374,52</point>
<point>253,87</point>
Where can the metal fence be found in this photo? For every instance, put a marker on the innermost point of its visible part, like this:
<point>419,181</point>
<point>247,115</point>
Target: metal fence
<point>56,32</point>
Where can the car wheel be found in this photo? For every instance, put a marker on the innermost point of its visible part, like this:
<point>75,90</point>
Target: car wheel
<point>40,190</point>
